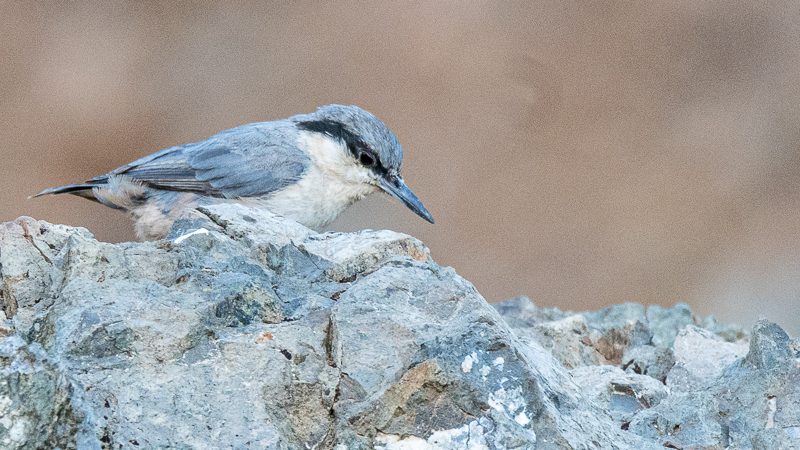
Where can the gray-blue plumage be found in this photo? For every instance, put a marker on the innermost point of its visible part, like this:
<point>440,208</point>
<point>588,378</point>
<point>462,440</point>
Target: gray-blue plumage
<point>288,166</point>
<point>248,161</point>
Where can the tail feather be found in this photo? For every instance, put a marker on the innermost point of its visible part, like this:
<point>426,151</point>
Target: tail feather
<point>81,189</point>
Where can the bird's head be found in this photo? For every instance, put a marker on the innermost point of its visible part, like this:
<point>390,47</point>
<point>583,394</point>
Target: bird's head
<point>364,151</point>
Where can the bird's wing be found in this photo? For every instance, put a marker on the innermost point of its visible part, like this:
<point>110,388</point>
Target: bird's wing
<point>248,161</point>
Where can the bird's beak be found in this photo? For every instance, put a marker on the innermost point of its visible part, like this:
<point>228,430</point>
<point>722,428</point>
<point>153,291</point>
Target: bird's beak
<point>397,187</point>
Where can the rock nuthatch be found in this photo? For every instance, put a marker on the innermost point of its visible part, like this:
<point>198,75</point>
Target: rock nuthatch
<point>308,168</point>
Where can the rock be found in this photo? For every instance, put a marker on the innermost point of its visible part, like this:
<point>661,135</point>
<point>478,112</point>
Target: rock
<point>729,332</point>
<point>520,312</point>
<point>655,362</point>
<point>576,340</point>
<point>6,325</point>
<point>616,316</point>
<point>668,322</point>
<point>35,399</point>
<point>621,394</point>
<point>725,388</point>
<point>683,421</point>
<point>568,340</point>
<point>770,349</point>
<point>246,330</point>
<point>700,358</point>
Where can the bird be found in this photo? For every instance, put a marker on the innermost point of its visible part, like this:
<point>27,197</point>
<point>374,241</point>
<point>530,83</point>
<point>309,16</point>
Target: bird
<point>308,168</point>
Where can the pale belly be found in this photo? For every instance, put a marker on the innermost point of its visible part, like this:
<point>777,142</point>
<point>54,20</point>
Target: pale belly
<point>313,202</point>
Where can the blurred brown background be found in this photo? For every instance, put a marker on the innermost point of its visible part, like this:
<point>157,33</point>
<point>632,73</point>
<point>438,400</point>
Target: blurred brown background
<point>580,153</point>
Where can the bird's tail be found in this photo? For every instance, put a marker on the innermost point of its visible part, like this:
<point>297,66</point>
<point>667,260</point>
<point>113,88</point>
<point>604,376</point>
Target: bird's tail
<point>81,190</point>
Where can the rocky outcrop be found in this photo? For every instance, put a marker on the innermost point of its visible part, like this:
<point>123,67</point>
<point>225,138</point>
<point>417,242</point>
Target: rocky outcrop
<point>243,330</point>
<point>672,378</point>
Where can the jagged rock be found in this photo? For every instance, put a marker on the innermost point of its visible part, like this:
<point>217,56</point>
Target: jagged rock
<point>621,394</point>
<point>668,322</point>
<point>720,387</point>
<point>245,330</point>
<point>655,362</point>
<point>520,312</point>
<point>700,358</point>
<point>35,407</point>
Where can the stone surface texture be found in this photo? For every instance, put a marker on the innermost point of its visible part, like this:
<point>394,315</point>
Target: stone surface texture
<point>243,330</point>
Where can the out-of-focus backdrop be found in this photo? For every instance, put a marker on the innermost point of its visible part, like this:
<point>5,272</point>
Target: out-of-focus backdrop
<point>580,153</point>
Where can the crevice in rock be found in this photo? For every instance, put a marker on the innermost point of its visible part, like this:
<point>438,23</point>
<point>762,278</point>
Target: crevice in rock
<point>329,341</point>
<point>29,238</point>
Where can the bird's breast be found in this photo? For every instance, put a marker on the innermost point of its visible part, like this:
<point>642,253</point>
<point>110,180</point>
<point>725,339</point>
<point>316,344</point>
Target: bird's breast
<point>315,200</point>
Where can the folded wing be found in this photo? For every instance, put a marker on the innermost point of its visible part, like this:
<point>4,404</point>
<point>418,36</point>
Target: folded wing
<point>249,161</point>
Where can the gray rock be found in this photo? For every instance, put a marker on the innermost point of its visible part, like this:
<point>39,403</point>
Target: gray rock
<point>35,399</point>
<point>725,388</point>
<point>621,394</point>
<point>746,406</point>
<point>770,349</point>
<point>245,330</point>
<point>700,358</point>
<point>520,312</point>
<point>655,362</point>
<point>584,339</point>
<point>728,331</point>
<point>6,325</point>
<point>616,316</point>
<point>686,420</point>
<point>629,336</point>
<point>569,340</point>
<point>668,322</point>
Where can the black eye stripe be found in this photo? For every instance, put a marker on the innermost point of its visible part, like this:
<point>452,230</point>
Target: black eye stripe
<point>337,130</point>
<point>356,146</point>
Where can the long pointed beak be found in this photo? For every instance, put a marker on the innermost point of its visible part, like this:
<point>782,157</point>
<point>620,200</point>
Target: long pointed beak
<point>397,187</point>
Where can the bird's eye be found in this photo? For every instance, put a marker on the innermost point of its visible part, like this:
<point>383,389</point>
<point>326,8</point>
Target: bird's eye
<point>366,159</point>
